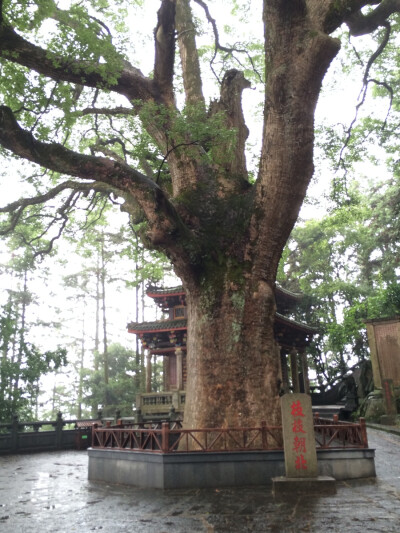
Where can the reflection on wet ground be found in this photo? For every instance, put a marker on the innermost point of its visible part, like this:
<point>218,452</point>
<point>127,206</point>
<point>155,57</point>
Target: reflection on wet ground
<point>51,493</point>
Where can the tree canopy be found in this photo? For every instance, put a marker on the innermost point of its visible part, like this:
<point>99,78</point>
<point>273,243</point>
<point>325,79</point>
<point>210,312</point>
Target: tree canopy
<point>348,269</point>
<point>76,104</point>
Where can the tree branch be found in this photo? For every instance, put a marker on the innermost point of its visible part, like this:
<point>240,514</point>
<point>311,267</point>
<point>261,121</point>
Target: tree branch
<point>61,216</point>
<point>17,208</point>
<point>164,37</point>
<point>188,53</point>
<point>230,103</point>
<point>133,186</point>
<point>331,15</point>
<point>101,146</point>
<point>49,248</point>
<point>66,18</point>
<point>220,47</point>
<point>52,193</point>
<point>130,81</point>
<point>360,24</point>
<point>56,157</point>
<point>363,93</point>
<point>106,111</point>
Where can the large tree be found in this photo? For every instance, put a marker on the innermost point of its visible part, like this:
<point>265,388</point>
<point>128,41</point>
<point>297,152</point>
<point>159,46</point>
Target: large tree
<point>224,234</point>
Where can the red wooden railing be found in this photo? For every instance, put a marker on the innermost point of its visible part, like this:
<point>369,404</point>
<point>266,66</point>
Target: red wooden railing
<point>340,434</point>
<point>171,439</point>
<point>167,440</point>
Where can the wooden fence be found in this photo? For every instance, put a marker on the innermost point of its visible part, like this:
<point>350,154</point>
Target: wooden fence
<point>166,437</point>
<point>340,434</point>
<point>163,438</point>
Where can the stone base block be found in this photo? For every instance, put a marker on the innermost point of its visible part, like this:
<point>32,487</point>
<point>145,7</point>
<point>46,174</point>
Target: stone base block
<point>287,486</point>
<point>217,469</point>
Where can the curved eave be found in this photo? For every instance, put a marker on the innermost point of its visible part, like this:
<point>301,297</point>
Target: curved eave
<point>296,296</point>
<point>156,292</point>
<point>160,292</point>
<point>286,301</point>
<point>158,326</point>
<point>295,324</point>
<point>180,325</point>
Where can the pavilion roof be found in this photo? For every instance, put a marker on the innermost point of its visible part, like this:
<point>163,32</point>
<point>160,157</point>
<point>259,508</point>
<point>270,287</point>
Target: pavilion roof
<point>296,324</point>
<point>289,294</point>
<point>159,292</point>
<point>290,333</point>
<point>158,325</point>
<point>286,299</point>
<point>170,325</point>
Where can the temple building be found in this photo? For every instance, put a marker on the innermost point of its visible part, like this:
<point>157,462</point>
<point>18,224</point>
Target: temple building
<point>166,338</point>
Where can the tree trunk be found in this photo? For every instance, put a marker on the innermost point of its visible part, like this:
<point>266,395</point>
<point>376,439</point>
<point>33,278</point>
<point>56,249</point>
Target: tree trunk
<point>138,344</point>
<point>142,364</point>
<point>106,369</point>
<point>233,359</point>
<point>233,366</point>
<point>81,364</point>
<point>21,340</point>
<point>97,320</point>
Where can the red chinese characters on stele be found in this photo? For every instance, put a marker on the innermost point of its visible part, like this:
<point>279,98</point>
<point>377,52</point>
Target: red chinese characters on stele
<point>298,436</point>
<point>299,441</point>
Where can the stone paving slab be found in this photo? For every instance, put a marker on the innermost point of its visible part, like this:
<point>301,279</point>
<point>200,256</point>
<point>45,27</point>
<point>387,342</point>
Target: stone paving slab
<point>50,493</point>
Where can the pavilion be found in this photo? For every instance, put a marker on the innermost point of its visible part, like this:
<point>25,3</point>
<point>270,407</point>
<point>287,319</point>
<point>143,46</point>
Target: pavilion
<point>167,337</point>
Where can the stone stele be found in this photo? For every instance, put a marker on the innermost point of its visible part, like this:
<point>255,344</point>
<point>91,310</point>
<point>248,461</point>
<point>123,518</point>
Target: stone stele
<point>298,436</point>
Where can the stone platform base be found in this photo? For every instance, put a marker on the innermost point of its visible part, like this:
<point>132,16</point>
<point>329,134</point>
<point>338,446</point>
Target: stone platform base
<point>288,486</point>
<point>217,469</point>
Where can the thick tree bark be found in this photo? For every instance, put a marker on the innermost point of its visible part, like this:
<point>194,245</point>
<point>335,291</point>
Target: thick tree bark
<point>233,369</point>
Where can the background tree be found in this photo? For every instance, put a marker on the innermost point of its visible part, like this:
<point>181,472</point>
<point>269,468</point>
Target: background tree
<point>347,265</point>
<point>73,103</point>
<point>22,364</point>
<point>91,239</point>
<point>121,387</point>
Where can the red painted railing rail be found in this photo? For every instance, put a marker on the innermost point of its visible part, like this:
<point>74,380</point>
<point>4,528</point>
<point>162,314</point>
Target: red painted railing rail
<point>339,433</point>
<point>166,438</point>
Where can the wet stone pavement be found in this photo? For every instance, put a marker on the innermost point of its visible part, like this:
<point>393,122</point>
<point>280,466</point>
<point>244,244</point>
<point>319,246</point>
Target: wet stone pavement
<point>50,493</point>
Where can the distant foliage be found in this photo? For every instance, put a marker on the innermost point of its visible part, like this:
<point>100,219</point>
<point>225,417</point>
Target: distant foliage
<point>22,365</point>
<point>347,265</point>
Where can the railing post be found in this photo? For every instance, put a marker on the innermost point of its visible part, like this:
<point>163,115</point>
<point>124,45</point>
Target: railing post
<point>165,437</point>
<point>59,425</point>
<point>139,416</point>
<point>363,428</point>
<point>14,433</point>
<point>172,414</point>
<point>264,439</point>
<point>94,427</point>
